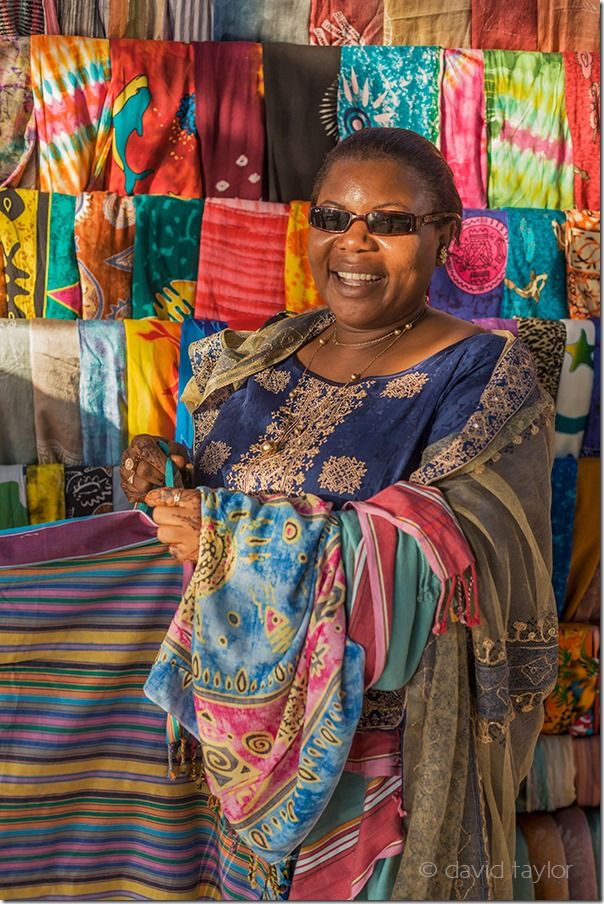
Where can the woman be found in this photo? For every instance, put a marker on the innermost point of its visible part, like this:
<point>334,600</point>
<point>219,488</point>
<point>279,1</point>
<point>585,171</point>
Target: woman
<point>353,409</point>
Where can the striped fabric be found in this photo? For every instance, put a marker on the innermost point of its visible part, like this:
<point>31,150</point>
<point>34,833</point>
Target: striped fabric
<point>187,20</point>
<point>86,809</point>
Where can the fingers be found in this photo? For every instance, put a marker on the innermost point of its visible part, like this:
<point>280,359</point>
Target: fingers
<point>172,496</point>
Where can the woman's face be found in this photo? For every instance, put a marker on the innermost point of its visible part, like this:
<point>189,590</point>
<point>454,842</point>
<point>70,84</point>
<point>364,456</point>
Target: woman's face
<point>371,281</point>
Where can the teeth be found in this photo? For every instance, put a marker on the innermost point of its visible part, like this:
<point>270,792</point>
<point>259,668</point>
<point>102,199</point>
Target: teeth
<point>356,277</point>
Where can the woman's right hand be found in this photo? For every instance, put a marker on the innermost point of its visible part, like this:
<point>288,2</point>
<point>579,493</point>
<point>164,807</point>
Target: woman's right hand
<point>143,466</point>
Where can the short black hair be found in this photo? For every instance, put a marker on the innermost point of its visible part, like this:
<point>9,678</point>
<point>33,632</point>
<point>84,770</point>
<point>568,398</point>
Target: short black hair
<point>405,147</point>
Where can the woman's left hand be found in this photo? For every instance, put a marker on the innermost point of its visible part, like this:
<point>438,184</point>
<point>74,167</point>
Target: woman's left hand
<point>178,517</point>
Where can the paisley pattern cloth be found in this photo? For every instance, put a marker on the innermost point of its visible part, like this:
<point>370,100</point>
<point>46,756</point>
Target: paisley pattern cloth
<point>104,237</point>
<point>428,22</point>
<point>155,145</point>
<point>576,386</point>
<point>470,285</point>
<point>564,502</point>
<point>463,128</point>
<point>301,292</point>
<point>582,92</point>
<point>572,707</point>
<point>70,80</point>
<point>152,348</point>
<point>390,86</point>
<point>166,256</point>
<point>88,491</point>
<point>529,143</point>
<point>582,246</point>
<point>278,696</point>
<point>102,391</point>
<point>229,83</point>
<point>17,123</point>
<point>62,290</point>
<point>535,285</point>
<point>19,246</point>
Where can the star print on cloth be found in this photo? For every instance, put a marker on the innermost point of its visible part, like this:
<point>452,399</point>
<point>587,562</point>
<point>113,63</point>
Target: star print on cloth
<point>581,352</point>
<point>576,387</point>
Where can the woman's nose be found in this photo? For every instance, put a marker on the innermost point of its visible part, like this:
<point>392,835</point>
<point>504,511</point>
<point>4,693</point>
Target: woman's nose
<point>357,236</point>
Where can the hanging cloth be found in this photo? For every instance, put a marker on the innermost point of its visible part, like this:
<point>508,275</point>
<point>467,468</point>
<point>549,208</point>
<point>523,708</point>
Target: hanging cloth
<point>582,245</point>
<point>546,340</point>
<point>509,26</point>
<point>17,436</point>
<point>45,493</point>
<point>13,497</point>
<point>463,129</point>
<point>591,437</point>
<point>17,122</point>
<point>347,22</point>
<point>568,25</point>
<point>152,350</point>
<point>572,707</point>
<point>88,491</point>
<point>62,298</point>
<point>301,291</point>
<point>18,245</point>
<point>261,20</point>
<point>564,503</point>
<point>141,19</point>
<point>535,283</point>
<point>576,838</point>
<point>187,20</point>
<point>86,17</point>
<point>428,22</point>
<point>21,17</point>
<point>576,385</point>
<point>191,331</point>
<point>582,93</point>
<point>103,391</point>
<point>585,558</point>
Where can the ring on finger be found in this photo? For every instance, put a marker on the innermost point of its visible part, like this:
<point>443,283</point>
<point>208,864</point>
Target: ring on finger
<point>176,497</point>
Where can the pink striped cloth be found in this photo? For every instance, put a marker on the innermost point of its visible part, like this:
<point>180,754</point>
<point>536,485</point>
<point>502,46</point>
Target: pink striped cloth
<point>463,128</point>
<point>241,262</point>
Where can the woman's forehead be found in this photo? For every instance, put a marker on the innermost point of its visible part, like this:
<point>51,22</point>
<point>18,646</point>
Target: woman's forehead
<point>379,176</point>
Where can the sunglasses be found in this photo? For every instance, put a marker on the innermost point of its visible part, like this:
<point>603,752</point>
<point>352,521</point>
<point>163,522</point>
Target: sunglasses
<point>379,222</point>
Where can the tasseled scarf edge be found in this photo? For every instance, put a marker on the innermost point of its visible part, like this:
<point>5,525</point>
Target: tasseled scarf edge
<point>458,601</point>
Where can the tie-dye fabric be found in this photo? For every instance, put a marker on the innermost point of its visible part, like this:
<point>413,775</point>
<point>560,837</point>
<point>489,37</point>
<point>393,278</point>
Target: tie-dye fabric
<point>241,262</point>
<point>535,280</point>
<point>18,245</point>
<point>62,291</point>
<point>582,92</point>
<point>591,437</point>
<point>229,85</point>
<point>17,436</point>
<point>463,128</point>
<point>152,350</point>
<point>191,331</point>
<point>70,80</point>
<point>103,391</point>
<point>390,86</point>
<point>104,236</point>
<point>155,146</point>
<point>529,145</point>
<point>428,22</point>
<point>17,122</point>
<point>45,493</point>
<point>576,384</point>
<point>166,256</point>
<point>470,284</point>
<point>572,707</point>
<point>582,245</point>
<point>301,292</point>
<point>13,498</point>
<point>273,760</point>
<point>347,22</point>
<point>88,491</point>
<point>564,503</point>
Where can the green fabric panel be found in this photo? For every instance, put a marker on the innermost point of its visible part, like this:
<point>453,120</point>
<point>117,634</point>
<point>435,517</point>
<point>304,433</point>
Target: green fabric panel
<point>381,881</point>
<point>12,511</point>
<point>63,298</point>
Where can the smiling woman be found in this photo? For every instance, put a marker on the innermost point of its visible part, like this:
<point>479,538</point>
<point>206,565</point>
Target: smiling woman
<point>371,601</point>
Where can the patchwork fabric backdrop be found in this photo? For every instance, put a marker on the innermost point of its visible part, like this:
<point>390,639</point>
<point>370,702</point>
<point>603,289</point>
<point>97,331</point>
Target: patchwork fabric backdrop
<point>156,164</point>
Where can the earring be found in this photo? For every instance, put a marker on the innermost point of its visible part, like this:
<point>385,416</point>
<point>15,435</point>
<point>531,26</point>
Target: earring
<point>443,254</point>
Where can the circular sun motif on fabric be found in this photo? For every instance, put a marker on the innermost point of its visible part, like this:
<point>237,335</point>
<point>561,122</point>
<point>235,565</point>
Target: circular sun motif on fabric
<point>216,558</point>
<point>477,263</point>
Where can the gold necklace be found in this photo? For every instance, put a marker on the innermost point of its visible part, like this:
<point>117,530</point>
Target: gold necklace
<point>395,332</point>
<point>270,447</point>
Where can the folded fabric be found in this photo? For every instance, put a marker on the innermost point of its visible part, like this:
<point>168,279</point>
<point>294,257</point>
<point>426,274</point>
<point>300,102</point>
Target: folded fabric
<point>564,499</point>
<point>572,707</point>
<point>591,437</point>
<point>17,122</point>
<point>13,498</point>
<point>87,17</point>
<point>292,641</point>
<point>261,20</point>
<point>23,18</point>
<point>88,491</point>
<point>18,241</point>
<point>512,26</point>
<point>155,145</point>
<point>535,281</point>
<point>586,752</point>
<point>588,609</point>
<point>45,493</point>
<point>229,84</point>
<point>595,828</point>
<point>187,20</point>
<point>55,372</point>
<point>550,783</point>
<point>546,856</point>
<point>17,436</point>
<point>301,291</point>
<point>428,22</point>
<point>567,25</point>
<point>241,262</point>
<point>102,391</point>
<point>576,838</point>
<point>585,557</point>
<point>62,297</point>
<point>70,80</point>
<point>301,115</point>
<point>104,235</point>
<point>576,385</point>
<point>390,86</point>
<point>546,341</point>
<point>152,349</point>
<point>522,876</point>
<point>582,92</point>
<point>141,19</point>
<point>347,22</point>
<point>582,246</point>
<point>166,256</point>
<point>471,282</point>
<point>529,142</point>
<point>119,500</point>
<point>191,331</point>
<point>463,129</point>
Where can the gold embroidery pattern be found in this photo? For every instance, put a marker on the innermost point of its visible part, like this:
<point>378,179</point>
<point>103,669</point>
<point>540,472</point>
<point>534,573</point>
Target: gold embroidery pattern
<point>318,409</point>
<point>342,474</point>
<point>405,387</point>
<point>273,380</point>
<point>205,420</point>
<point>214,456</point>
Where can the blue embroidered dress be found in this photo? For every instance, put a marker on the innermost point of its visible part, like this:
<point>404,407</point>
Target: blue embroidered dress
<point>350,441</point>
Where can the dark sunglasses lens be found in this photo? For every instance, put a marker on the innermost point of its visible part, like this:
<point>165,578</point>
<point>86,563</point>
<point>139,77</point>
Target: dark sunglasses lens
<point>389,223</point>
<point>329,219</point>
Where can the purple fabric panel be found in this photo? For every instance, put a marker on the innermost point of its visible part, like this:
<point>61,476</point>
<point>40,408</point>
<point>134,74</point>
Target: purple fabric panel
<point>497,323</point>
